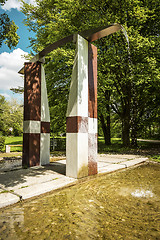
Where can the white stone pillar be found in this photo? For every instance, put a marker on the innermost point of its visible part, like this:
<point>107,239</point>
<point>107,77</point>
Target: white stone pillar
<point>77,114</point>
<point>45,123</point>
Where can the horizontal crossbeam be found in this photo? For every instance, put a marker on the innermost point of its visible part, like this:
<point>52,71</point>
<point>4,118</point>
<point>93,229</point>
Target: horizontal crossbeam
<point>90,35</point>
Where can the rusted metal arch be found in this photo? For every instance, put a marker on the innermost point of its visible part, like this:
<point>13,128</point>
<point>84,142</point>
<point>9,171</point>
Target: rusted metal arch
<point>81,116</point>
<point>90,35</point>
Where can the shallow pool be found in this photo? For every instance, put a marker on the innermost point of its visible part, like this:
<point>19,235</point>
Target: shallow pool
<point>121,205</point>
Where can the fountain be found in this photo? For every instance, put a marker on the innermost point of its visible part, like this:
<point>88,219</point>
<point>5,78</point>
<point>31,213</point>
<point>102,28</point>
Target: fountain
<point>81,123</point>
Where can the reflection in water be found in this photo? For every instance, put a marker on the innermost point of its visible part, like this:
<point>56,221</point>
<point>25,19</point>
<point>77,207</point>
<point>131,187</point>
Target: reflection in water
<point>142,193</point>
<point>105,207</point>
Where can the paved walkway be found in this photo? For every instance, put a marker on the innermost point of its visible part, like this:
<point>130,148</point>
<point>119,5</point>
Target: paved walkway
<point>19,184</point>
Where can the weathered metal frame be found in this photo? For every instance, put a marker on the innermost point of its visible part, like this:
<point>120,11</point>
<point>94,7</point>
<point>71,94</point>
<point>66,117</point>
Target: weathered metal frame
<point>90,35</point>
<point>81,120</point>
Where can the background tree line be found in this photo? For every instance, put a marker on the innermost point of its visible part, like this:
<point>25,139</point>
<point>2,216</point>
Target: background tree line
<point>11,117</point>
<point>8,30</point>
<point>128,75</point>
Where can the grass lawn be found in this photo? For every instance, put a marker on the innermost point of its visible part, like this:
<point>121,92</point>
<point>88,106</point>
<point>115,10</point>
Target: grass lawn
<point>149,149</point>
<point>15,151</point>
<point>14,140</point>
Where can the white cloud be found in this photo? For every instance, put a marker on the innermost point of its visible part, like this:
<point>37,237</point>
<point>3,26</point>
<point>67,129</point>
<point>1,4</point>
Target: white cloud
<point>10,64</point>
<point>9,4</point>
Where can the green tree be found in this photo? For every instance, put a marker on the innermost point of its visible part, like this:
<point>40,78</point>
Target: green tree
<point>11,117</point>
<point>124,79</point>
<point>58,76</point>
<point>8,30</point>
<point>2,108</point>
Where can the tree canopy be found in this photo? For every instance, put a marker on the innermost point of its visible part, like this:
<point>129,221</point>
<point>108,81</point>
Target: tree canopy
<point>8,30</point>
<point>128,75</point>
<point>11,117</point>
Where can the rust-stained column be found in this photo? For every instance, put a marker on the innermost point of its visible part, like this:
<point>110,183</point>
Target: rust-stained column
<point>81,128</point>
<point>92,109</point>
<point>36,126</point>
<point>77,114</point>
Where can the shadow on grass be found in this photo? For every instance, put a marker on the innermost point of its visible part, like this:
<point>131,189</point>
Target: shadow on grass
<point>145,148</point>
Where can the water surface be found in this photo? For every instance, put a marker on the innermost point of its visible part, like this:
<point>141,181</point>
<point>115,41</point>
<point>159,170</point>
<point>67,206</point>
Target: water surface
<point>121,205</point>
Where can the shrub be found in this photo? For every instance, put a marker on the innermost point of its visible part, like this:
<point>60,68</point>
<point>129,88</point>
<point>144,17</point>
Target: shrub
<point>58,144</point>
<point>2,143</point>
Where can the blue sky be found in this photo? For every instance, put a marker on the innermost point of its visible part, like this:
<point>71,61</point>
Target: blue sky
<point>11,60</point>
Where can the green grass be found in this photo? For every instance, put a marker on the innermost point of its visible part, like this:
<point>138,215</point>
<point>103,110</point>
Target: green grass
<point>9,155</point>
<point>14,141</point>
<point>155,158</point>
<point>149,149</point>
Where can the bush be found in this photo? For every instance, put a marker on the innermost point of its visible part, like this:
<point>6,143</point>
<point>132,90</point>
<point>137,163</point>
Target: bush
<point>58,144</point>
<point>61,144</point>
<point>2,143</point>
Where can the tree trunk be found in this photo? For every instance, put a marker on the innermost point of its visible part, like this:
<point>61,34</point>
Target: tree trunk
<point>107,97</point>
<point>125,132</point>
<point>108,140</point>
<point>134,136</point>
<point>106,129</point>
<point>134,120</point>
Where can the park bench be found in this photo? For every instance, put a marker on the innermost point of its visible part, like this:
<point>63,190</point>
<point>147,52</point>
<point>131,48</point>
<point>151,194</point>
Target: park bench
<point>8,147</point>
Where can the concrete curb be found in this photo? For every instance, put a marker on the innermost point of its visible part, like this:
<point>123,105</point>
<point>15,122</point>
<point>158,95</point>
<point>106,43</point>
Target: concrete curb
<point>40,180</point>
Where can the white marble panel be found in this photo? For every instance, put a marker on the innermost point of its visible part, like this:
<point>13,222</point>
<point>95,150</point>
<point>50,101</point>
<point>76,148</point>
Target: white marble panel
<point>82,170</point>
<point>45,149</point>
<point>82,77</point>
<point>77,155</point>
<point>71,155</point>
<point>92,125</point>
<point>45,116</point>
<point>31,126</point>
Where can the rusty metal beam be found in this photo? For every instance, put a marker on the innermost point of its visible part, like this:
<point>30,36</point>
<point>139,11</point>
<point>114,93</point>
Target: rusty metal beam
<point>52,47</point>
<point>91,35</point>
<point>100,32</point>
<point>40,56</point>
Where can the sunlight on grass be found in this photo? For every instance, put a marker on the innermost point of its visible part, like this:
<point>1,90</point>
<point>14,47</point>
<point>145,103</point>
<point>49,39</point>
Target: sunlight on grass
<point>144,148</point>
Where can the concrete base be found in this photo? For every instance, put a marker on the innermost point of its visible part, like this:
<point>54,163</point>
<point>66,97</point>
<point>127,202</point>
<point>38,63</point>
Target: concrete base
<point>77,155</point>
<point>34,181</point>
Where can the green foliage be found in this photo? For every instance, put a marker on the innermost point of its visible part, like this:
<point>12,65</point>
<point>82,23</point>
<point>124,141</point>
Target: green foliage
<point>156,158</point>
<point>129,75</point>
<point>2,143</point>
<point>11,36</point>
<point>2,1</point>
<point>11,117</point>
<point>8,31</point>
<point>11,140</point>
<point>61,144</point>
<point>58,76</point>
<point>19,90</point>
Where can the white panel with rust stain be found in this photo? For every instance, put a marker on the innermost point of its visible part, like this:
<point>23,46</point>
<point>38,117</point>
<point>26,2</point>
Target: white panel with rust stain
<point>77,143</point>
<point>82,168</point>
<point>92,125</point>
<point>78,96</point>
<point>77,155</point>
